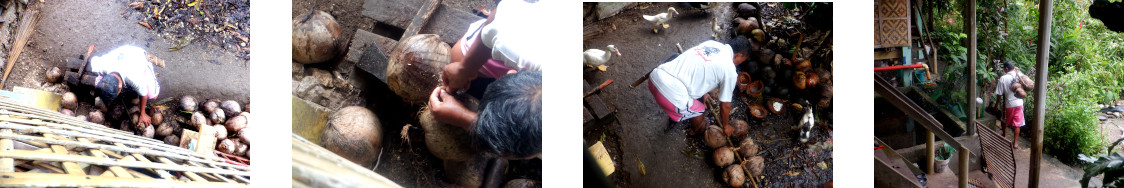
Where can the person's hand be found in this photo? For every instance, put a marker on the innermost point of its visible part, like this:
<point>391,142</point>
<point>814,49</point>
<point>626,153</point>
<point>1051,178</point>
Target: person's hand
<point>145,121</point>
<point>447,109</point>
<point>728,129</point>
<point>457,77</point>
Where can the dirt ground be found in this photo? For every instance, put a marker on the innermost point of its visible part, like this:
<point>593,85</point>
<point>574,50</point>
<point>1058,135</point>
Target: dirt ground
<point>202,71</point>
<point>642,133</point>
<point>408,163</point>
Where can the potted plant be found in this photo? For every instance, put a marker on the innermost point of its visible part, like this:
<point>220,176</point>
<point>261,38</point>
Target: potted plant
<point>943,154</point>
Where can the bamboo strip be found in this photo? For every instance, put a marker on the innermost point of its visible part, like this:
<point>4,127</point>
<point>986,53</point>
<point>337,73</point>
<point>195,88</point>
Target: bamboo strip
<point>163,174</point>
<point>70,167</point>
<point>7,164</point>
<point>64,180</point>
<point>140,141</point>
<point>117,170</point>
<point>317,167</point>
<point>91,160</point>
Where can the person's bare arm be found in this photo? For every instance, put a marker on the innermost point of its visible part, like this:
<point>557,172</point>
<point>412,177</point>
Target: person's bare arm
<point>458,74</point>
<point>725,120</point>
<point>144,116</point>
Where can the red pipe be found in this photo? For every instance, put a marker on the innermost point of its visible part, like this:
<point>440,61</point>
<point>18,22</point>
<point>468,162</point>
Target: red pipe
<point>913,66</point>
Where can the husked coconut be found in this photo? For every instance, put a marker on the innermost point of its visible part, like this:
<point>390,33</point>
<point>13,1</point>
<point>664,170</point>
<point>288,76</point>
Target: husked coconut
<point>242,148</point>
<point>165,129</point>
<point>188,103</point>
<point>354,132</point>
<point>220,131</point>
<point>210,106</point>
<point>714,136</point>
<point>446,141</point>
<point>522,183</point>
<point>237,123</point>
<point>723,156</point>
<point>756,165</point>
<point>218,116</point>
<point>67,112</point>
<point>54,75</point>
<point>734,176</point>
<point>97,117</point>
<point>316,38</point>
<point>747,148</point>
<point>245,134</point>
<point>69,100</point>
<point>231,108</point>
<point>99,104</point>
<point>172,140</point>
<point>415,67</point>
<point>149,132</point>
<point>82,117</point>
<point>226,146</point>
<point>740,128</point>
<point>198,120</point>
<point>467,173</point>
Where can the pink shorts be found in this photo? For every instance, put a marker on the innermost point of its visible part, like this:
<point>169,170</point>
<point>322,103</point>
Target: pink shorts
<point>491,69</point>
<point>1014,116</point>
<point>676,114</point>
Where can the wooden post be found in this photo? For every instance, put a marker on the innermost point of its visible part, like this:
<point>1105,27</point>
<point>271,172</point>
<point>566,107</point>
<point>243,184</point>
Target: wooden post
<point>930,151</point>
<point>963,175</point>
<point>1045,18</point>
<point>972,56</point>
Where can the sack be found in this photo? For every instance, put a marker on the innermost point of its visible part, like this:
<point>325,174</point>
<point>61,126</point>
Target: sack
<point>1021,85</point>
<point>1018,91</point>
<point>1027,83</point>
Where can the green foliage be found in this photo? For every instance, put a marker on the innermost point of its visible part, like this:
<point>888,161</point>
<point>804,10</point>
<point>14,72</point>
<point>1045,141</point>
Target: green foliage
<point>1111,165</point>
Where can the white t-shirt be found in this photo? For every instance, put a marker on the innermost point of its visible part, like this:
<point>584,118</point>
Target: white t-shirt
<point>1004,88</point>
<point>133,66</point>
<point>520,32</point>
<point>697,71</point>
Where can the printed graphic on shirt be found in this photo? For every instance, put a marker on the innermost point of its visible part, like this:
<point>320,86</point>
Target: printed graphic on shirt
<point>706,51</point>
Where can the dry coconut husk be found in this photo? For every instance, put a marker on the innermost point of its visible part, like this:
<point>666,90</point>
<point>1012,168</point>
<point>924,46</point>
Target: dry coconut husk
<point>220,131</point>
<point>54,75</point>
<point>734,176</point>
<point>446,141</point>
<point>316,38</point>
<point>198,120</point>
<point>758,111</point>
<point>714,136</point>
<point>354,132</point>
<point>172,140</point>
<point>188,103</point>
<point>231,108</point>
<point>741,128</point>
<point>69,100</point>
<point>756,165</point>
<point>237,123</point>
<point>747,148</point>
<point>415,67</point>
<point>723,156</point>
<point>467,173</point>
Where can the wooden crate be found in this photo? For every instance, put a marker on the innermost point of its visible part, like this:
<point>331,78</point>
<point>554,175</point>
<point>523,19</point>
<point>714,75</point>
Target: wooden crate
<point>43,148</point>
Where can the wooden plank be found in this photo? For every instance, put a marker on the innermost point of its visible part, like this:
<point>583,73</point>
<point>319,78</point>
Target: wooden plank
<point>117,170</point>
<point>447,22</point>
<point>421,18</point>
<point>314,166</point>
<point>7,164</point>
<point>139,158</point>
<point>602,156</point>
<point>371,53</point>
<point>450,23</point>
<point>600,110</point>
<point>885,54</point>
<point>29,155</point>
<point>396,13</point>
<point>190,175</point>
<point>65,180</point>
<point>309,119</point>
<point>70,167</point>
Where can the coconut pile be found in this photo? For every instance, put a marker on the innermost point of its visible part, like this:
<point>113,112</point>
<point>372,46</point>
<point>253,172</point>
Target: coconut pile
<point>228,118</point>
<point>789,71</point>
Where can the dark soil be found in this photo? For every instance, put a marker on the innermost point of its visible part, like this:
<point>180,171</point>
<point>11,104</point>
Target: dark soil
<point>221,24</point>
<point>642,133</point>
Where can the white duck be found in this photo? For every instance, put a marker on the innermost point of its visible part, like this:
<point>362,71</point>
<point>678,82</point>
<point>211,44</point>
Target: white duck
<point>807,122</point>
<point>660,19</point>
<point>598,57</point>
<point>717,29</point>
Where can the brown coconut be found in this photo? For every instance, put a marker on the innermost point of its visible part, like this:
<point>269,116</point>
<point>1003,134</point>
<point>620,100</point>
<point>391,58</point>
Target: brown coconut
<point>231,108</point>
<point>812,80</point>
<point>415,67</point>
<point>758,111</point>
<point>747,148</point>
<point>723,156</point>
<point>97,117</point>
<point>198,120</point>
<point>54,75</point>
<point>353,132</point>
<point>756,165</point>
<point>149,132</point>
<point>316,38</point>
<point>467,173</point>
<point>165,129</point>
<point>743,81</point>
<point>220,131</point>
<point>188,103</point>
<point>67,112</point>
<point>245,135</point>
<point>210,106</point>
<point>157,116</point>
<point>714,136</point>
<point>446,141</point>
<point>99,104</point>
<point>758,34</point>
<point>237,123</point>
<point>740,128</point>
<point>800,80</point>
<point>218,116</point>
<point>734,176</point>
<point>226,146</point>
<point>745,26</point>
<point>69,100</point>
<point>172,140</point>
<point>803,65</point>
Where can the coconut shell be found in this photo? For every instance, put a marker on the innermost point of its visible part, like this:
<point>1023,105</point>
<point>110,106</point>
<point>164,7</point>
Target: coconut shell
<point>734,176</point>
<point>812,80</point>
<point>198,120</point>
<point>743,80</point>
<point>210,106</point>
<point>231,107</point>
<point>220,132</point>
<point>226,146</point>
<point>754,89</point>
<point>97,117</point>
<point>353,132</point>
<point>69,100</point>
<point>67,112</point>
<point>316,38</point>
<point>741,128</point>
<point>172,140</point>
<point>723,156</point>
<point>165,129</point>
<point>776,106</point>
<point>415,67</point>
<point>237,123</point>
<point>467,173</point>
<point>218,116</point>
<point>149,132</point>
<point>758,111</point>
<point>54,75</point>
<point>188,103</point>
<point>522,183</point>
<point>800,81</point>
<point>747,148</point>
<point>714,136</point>
<point>758,35</point>
<point>756,165</point>
<point>746,10</point>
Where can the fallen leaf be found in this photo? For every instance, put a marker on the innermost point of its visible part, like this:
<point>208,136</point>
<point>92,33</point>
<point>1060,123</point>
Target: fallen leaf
<point>145,24</point>
<point>137,5</point>
<point>792,173</point>
<point>602,67</point>
<point>822,165</point>
<point>193,3</point>
<point>641,167</point>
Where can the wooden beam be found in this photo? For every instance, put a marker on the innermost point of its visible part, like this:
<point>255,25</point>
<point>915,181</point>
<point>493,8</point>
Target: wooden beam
<point>1045,19</point>
<point>139,158</point>
<point>117,170</point>
<point>70,167</point>
<point>421,18</point>
<point>11,179</point>
<point>59,157</point>
<point>7,164</point>
<point>447,22</point>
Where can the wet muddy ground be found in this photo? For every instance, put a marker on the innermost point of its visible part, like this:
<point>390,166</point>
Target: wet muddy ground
<point>642,133</point>
<point>406,162</point>
<point>199,70</point>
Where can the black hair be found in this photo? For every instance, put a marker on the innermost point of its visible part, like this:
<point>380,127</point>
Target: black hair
<point>739,44</point>
<point>1009,65</point>
<point>107,88</point>
<point>509,122</point>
